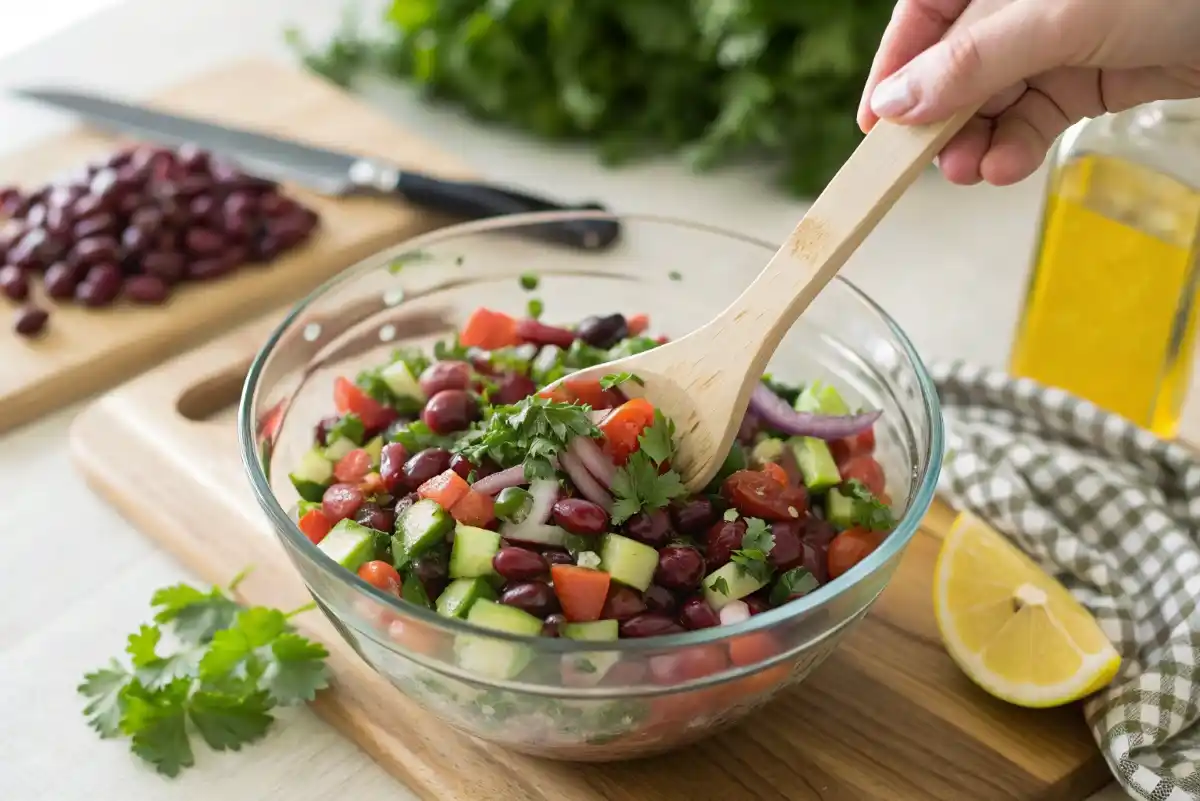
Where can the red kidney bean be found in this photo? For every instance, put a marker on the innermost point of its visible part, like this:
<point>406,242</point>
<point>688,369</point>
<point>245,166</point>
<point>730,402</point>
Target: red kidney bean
<point>541,334</point>
<point>208,269</point>
<point>192,158</point>
<point>432,570</point>
<point>290,230</point>
<point>660,599</point>
<point>553,624</point>
<point>680,567</point>
<point>622,603</point>
<point>135,240</point>
<point>652,528</point>
<point>724,537</point>
<point>147,289</point>
<point>94,250</point>
<point>372,515</point>
<point>519,564</point>
<point>693,516</point>
<point>581,517</point>
<point>649,624</point>
<point>58,223</point>
<point>239,203</point>
<point>445,375</point>
<point>391,464</point>
<point>61,279</point>
<point>341,501</point>
<point>192,186</point>
<point>757,604</point>
<point>203,207</point>
<point>94,225</point>
<point>167,266</point>
<point>30,321</point>
<point>235,256</point>
<point>461,465</point>
<point>238,227</point>
<point>450,410</point>
<point>203,242</point>
<point>513,387</point>
<point>265,247</point>
<point>603,332</point>
<point>36,216</point>
<point>425,465</point>
<point>553,557</point>
<point>148,218</point>
<point>695,613</point>
<point>788,551</point>
<point>816,536</point>
<point>276,205</point>
<point>30,252</point>
<point>14,283</point>
<point>101,286</point>
<point>326,424</point>
<point>534,597</point>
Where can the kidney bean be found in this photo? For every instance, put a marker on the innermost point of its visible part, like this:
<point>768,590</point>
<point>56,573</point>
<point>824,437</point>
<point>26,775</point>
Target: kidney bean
<point>580,516</point>
<point>167,266</point>
<point>341,501</point>
<point>660,599</point>
<point>372,515</point>
<point>649,624</point>
<point>513,387</point>
<point>724,537</point>
<point>603,332</point>
<point>94,225</point>
<point>11,202</point>
<point>652,528</point>
<point>534,597</point>
<point>14,283</point>
<point>147,289</point>
<point>680,567</point>
<point>445,375</point>
<point>290,230</point>
<point>450,410</point>
<point>815,537</point>
<point>30,321</point>
<point>101,286</point>
<point>553,557</point>
<point>757,604</point>
<point>391,463</point>
<point>136,240</point>
<point>622,603</point>
<point>519,564</point>
<point>58,223</point>
<point>432,570</point>
<point>238,227</point>
<point>203,242</point>
<point>208,269</point>
<point>695,613</point>
<point>60,280</point>
<point>553,624</point>
<point>33,251</point>
<point>693,516</point>
<point>541,334</point>
<point>425,465</point>
<point>788,550</point>
<point>36,216</point>
<point>94,250</point>
<point>265,247</point>
<point>275,205</point>
<point>461,465</point>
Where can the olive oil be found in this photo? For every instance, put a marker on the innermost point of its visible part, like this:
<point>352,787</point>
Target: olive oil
<point>1110,312</point>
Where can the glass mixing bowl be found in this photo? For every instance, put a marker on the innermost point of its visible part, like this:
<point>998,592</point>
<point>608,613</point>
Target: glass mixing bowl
<point>657,693</point>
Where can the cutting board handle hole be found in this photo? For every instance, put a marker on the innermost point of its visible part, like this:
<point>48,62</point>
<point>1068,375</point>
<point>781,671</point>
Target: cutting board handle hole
<point>212,396</point>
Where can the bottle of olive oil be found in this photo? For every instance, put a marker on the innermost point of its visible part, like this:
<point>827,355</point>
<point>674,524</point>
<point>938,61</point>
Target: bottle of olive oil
<point>1110,311</point>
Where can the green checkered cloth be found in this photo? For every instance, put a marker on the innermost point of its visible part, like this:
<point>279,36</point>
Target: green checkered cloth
<point>1114,513</point>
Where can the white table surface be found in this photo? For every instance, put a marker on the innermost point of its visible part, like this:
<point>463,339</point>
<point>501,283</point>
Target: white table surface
<point>949,264</point>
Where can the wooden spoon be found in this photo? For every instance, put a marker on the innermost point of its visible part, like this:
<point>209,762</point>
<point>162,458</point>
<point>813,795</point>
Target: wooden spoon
<point>703,381</point>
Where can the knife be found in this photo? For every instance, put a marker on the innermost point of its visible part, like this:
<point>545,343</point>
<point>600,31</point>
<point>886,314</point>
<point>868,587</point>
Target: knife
<point>331,173</point>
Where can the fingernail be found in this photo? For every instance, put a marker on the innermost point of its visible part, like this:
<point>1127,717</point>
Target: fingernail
<point>894,96</point>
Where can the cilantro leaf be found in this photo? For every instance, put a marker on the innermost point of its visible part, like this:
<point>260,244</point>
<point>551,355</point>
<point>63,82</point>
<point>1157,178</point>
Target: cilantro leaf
<point>869,511</point>
<point>104,688</point>
<point>194,616</point>
<point>416,437</point>
<point>156,722</point>
<point>616,379</point>
<point>658,439</point>
<point>405,259</point>
<point>529,281</point>
<point>638,486</point>
<point>451,350</point>
<point>720,585</point>
<point>232,652</point>
<point>296,669</point>
<point>141,646</point>
<point>530,432</point>
<point>730,515</point>
<point>227,722</point>
<point>753,556</point>
<point>350,427</point>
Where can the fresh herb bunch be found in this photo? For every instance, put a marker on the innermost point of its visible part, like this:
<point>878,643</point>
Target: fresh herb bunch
<point>714,80</point>
<point>532,431</point>
<point>228,668</point>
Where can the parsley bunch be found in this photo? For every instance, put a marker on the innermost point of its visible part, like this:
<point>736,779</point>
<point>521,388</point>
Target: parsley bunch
<point>869,511</point>
<point>532,431</point>
<point>640,484</point>
<point>229,667</point>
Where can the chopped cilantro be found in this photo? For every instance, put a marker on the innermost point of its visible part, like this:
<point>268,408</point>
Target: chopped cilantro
<point>675,275</point>
<point>757,543</point>
<point>638,484</point>
<point>720,585</point>
<point>529,281</point>
<point>869,511</point>
<point>349,427</point>
<point>416,437</point>
<point>530,432</point>
<point>405,259</point>
<point>629,347</point>
<point>616,379</point>
<point>534,308</point>
<point>450,351</point>
<point>793,584</point>
<point>731,514</point>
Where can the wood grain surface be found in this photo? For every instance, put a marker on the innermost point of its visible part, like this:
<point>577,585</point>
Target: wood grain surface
<point>88,350</point>
<point>887,717</point>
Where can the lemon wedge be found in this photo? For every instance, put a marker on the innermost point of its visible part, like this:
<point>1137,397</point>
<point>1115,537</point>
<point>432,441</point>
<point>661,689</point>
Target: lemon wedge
<point>1013,629</point>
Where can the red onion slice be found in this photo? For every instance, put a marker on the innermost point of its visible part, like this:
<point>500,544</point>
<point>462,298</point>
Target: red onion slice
<point>597,463</point>
<point>777,414</point>
<point>512,477</point>
<point>588,486</point>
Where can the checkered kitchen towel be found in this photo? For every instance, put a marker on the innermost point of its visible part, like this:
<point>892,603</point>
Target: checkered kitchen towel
<point>1114,513</point>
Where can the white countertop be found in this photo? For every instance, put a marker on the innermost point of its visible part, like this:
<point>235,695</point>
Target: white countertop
<point>949,264</point>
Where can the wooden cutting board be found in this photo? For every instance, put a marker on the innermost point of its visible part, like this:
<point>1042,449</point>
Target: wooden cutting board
<point>85,350</point>
<point>888,717</point>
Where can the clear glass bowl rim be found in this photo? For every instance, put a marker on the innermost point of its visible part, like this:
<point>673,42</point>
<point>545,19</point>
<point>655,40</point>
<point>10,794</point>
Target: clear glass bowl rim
<point>278,516</point>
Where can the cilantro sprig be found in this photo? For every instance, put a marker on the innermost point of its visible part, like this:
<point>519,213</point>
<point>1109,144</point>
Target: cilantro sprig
<point>616,379</point>
<point>641,484</point>
<point>531,432</point>
<point>757,544</point>
<point>207,667</point>
<point>869,511</point>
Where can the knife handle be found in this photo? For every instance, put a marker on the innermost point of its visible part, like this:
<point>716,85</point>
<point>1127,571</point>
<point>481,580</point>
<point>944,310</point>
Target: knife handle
<point>475,201</point>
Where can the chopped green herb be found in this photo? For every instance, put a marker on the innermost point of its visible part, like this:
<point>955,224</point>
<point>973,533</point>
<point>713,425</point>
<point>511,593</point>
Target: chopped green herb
<point>531,432</point>
<point>511,360</point>
<point>793,584</point>
<point>349,427</point>
<point>230,668</point>
<point>452,351</point>
<point>416,437</point>
<point>406,259</point>
<point>529,281</point>
<point>638,485</point>
<point>675,275</point>
<point>731,514</point>
<point>757,543</point>
<point>534,308</point>
<point>616,379</point>
<point>869,511</point>
<point>721,585</point>
<point>629,347</point>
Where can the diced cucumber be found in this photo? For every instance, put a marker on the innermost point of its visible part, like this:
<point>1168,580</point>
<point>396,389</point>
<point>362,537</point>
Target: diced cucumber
<point>501,660</point>
<point>312,475</point>
<point>473,551</point>
<point>592,631</point>
<point>628,561</point>
<point>768,450</point>
<point>349,544</point>
<point>461,594</point>
<point>338,448</point>
<point>375,449</point>
<point>349,426</point>
<point>839,509</point>
<point>589,667</point>
<point>729,583</point>
<point>422,526</point>
<point>820,397</point>
<point>401,382</point>
<point>589,559</point>
<point>413,591</point>
<point>816,463</point>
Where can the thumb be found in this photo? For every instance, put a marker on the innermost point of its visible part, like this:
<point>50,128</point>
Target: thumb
<point>974,62</point>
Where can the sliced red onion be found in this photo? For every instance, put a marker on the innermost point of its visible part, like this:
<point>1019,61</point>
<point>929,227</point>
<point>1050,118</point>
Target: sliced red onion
<point>588,486</point>
<point>777,414</point>
<point>512,477</point>
<point>549,536</point>
<point>597,463</point>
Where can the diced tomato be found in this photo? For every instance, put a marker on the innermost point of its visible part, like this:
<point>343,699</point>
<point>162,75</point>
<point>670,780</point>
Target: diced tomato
<point>590,392</point>
<point>756,494</point>
<point>352,467</point>
<point>446,489</point>
<point>557,394</point>
<point>474,509</point>
<point>315,525</point>
<point>581,591</point>
<point>762,682</point>
<point>776,472</point>
<point>489,330</point>
<point>351,399</point>
<point>623,426</point>
<point>381,576</point>
<point>866,469</point>
<point>415,636</point>
<point>843,449</point>
<point>851,547</point>
<point>751,649</point>
<point>638,324</point>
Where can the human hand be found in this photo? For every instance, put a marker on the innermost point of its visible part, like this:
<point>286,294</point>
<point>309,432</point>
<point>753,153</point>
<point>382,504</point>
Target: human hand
<point>1038,66</point>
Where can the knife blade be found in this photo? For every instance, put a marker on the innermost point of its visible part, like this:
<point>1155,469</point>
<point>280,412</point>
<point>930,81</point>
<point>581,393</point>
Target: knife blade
<point>332,173</point>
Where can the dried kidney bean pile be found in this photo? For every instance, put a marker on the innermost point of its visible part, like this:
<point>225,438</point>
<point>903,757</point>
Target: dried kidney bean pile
<point>137,225</point>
